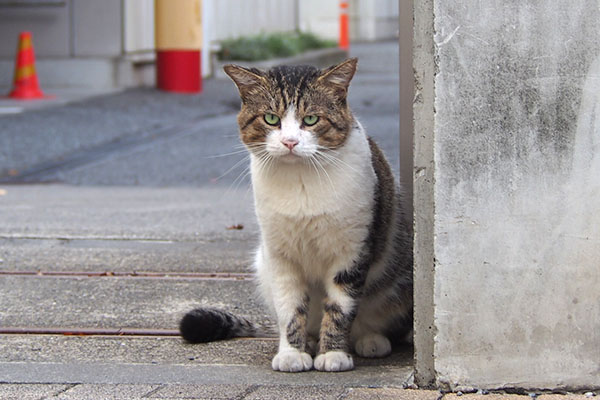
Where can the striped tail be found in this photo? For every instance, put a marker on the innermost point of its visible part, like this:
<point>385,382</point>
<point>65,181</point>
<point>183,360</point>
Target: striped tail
<point>208,324</point>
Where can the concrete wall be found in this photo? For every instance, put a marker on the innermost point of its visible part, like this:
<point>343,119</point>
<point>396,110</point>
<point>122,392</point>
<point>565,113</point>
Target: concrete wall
<point>508,169</point>
<point>73,28</point>
<point>79,43</point>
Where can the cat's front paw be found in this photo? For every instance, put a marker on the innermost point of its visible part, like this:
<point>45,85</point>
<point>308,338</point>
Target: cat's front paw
<point>373,345</point>
<point>291,360</point>
<point>334,361</point>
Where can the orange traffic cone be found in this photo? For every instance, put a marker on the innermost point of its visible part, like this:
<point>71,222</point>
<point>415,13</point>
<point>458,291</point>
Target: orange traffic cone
<point>26,85</point>
<point>344,41</point>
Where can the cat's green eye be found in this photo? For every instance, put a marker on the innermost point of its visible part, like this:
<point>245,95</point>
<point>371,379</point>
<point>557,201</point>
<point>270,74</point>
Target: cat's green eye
<point>310,120</point>
<point>271,119</point>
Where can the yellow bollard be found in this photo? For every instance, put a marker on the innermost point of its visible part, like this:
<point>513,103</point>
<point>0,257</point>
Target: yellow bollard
<point>178,42</point>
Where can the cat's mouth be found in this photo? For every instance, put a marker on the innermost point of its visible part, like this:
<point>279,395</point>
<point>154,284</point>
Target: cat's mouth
<point>291,157</point>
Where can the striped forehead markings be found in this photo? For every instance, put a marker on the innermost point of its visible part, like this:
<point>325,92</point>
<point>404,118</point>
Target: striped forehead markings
<point>292,82</point>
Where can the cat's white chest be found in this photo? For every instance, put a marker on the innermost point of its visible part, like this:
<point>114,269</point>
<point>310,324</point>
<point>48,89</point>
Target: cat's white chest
<point>317,218</point>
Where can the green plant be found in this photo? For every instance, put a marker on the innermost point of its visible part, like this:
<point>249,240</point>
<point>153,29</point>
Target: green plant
<point>265,46</point>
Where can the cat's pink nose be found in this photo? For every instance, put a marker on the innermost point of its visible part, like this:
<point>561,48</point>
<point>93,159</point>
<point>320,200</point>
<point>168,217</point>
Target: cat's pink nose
<point>289,143</point>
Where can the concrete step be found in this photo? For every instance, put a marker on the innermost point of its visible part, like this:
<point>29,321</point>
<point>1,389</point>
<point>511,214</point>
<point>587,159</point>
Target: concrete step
<point>125,255</point>
<point>143,360</point>
<point>118,302</point>
<point>114,212</point>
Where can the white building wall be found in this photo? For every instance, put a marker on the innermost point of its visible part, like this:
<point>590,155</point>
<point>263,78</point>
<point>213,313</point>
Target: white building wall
<point>320,17</point>
<point>235,18</point>
<point>225,19</point>
<point>139,26</point>
<point>369,19</point>
<point>373,19</point>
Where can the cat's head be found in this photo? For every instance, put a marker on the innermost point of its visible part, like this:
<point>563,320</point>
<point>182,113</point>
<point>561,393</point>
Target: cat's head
<point>292,113</point>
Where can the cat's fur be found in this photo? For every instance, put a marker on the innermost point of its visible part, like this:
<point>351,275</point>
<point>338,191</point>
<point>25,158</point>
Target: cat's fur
<point>334,262</point>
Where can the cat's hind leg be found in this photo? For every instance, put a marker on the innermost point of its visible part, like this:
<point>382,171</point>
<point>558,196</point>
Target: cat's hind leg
<point>366,334</point>
<point>373,345</point>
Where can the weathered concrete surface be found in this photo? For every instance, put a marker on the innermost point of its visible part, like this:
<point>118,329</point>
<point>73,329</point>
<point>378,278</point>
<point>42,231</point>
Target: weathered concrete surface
<point>516,142</point>
<point>144,360</point>
<point>30,392</point>
<point>126,256</point>
<point>423,193</point>
<point>113,302</point>
<point>209,374</point>
<point>392,394</point>
<point>179,214</point>
<point>136,350</point>
<point>156,350</point>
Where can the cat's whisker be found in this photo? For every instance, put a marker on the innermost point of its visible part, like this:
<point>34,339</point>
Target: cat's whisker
<point>267,161</point>
<point>335,160</point>
<point>226,154</point>
<point>237,164</point>
<point>240,178</point>
<point>264,160</point>
<point>327,153</point>
<point>312,162</point>
<point>328,178</point>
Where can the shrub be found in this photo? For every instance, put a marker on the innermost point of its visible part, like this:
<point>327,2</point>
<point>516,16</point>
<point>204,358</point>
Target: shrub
<point>265,46</point>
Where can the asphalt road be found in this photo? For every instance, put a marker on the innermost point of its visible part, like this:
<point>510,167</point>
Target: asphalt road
<point>144,137</point>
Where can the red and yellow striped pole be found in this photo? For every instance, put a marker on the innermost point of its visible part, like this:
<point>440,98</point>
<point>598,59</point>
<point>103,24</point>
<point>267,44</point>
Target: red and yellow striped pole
<point>344,42</point>
<point>178,37</point>
<point>26,85</point>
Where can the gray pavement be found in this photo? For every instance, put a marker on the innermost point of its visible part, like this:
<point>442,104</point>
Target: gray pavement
<point>116,214</point>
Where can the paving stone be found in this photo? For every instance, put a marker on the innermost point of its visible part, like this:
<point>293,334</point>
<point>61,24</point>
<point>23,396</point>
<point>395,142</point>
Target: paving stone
<point>391,394</point>
<point>216,392</point>
<point>491,396</point>
<point>107,391</point>
<point>16,391</point>
<point>290,392</point>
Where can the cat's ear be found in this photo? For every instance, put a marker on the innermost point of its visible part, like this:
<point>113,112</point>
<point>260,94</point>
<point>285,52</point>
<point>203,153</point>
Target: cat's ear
<point>246,80</point>
<point>339,75</point>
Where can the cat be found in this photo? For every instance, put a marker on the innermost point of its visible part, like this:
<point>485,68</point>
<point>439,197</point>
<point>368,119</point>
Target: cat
<point>335,258</point>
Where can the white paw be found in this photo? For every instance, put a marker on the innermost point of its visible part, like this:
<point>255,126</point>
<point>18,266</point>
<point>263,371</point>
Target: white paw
<point>291,360</point>
<point>334,361</point>
<point>373,345</point>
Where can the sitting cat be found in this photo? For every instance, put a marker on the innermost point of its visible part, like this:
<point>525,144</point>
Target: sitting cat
<point>335,261</point>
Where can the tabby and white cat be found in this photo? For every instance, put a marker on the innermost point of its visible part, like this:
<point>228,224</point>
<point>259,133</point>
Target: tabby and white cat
<point>334,262</point>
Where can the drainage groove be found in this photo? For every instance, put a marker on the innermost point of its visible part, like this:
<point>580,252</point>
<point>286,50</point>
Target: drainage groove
<point>238,276</point>
<point>88,331</point>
